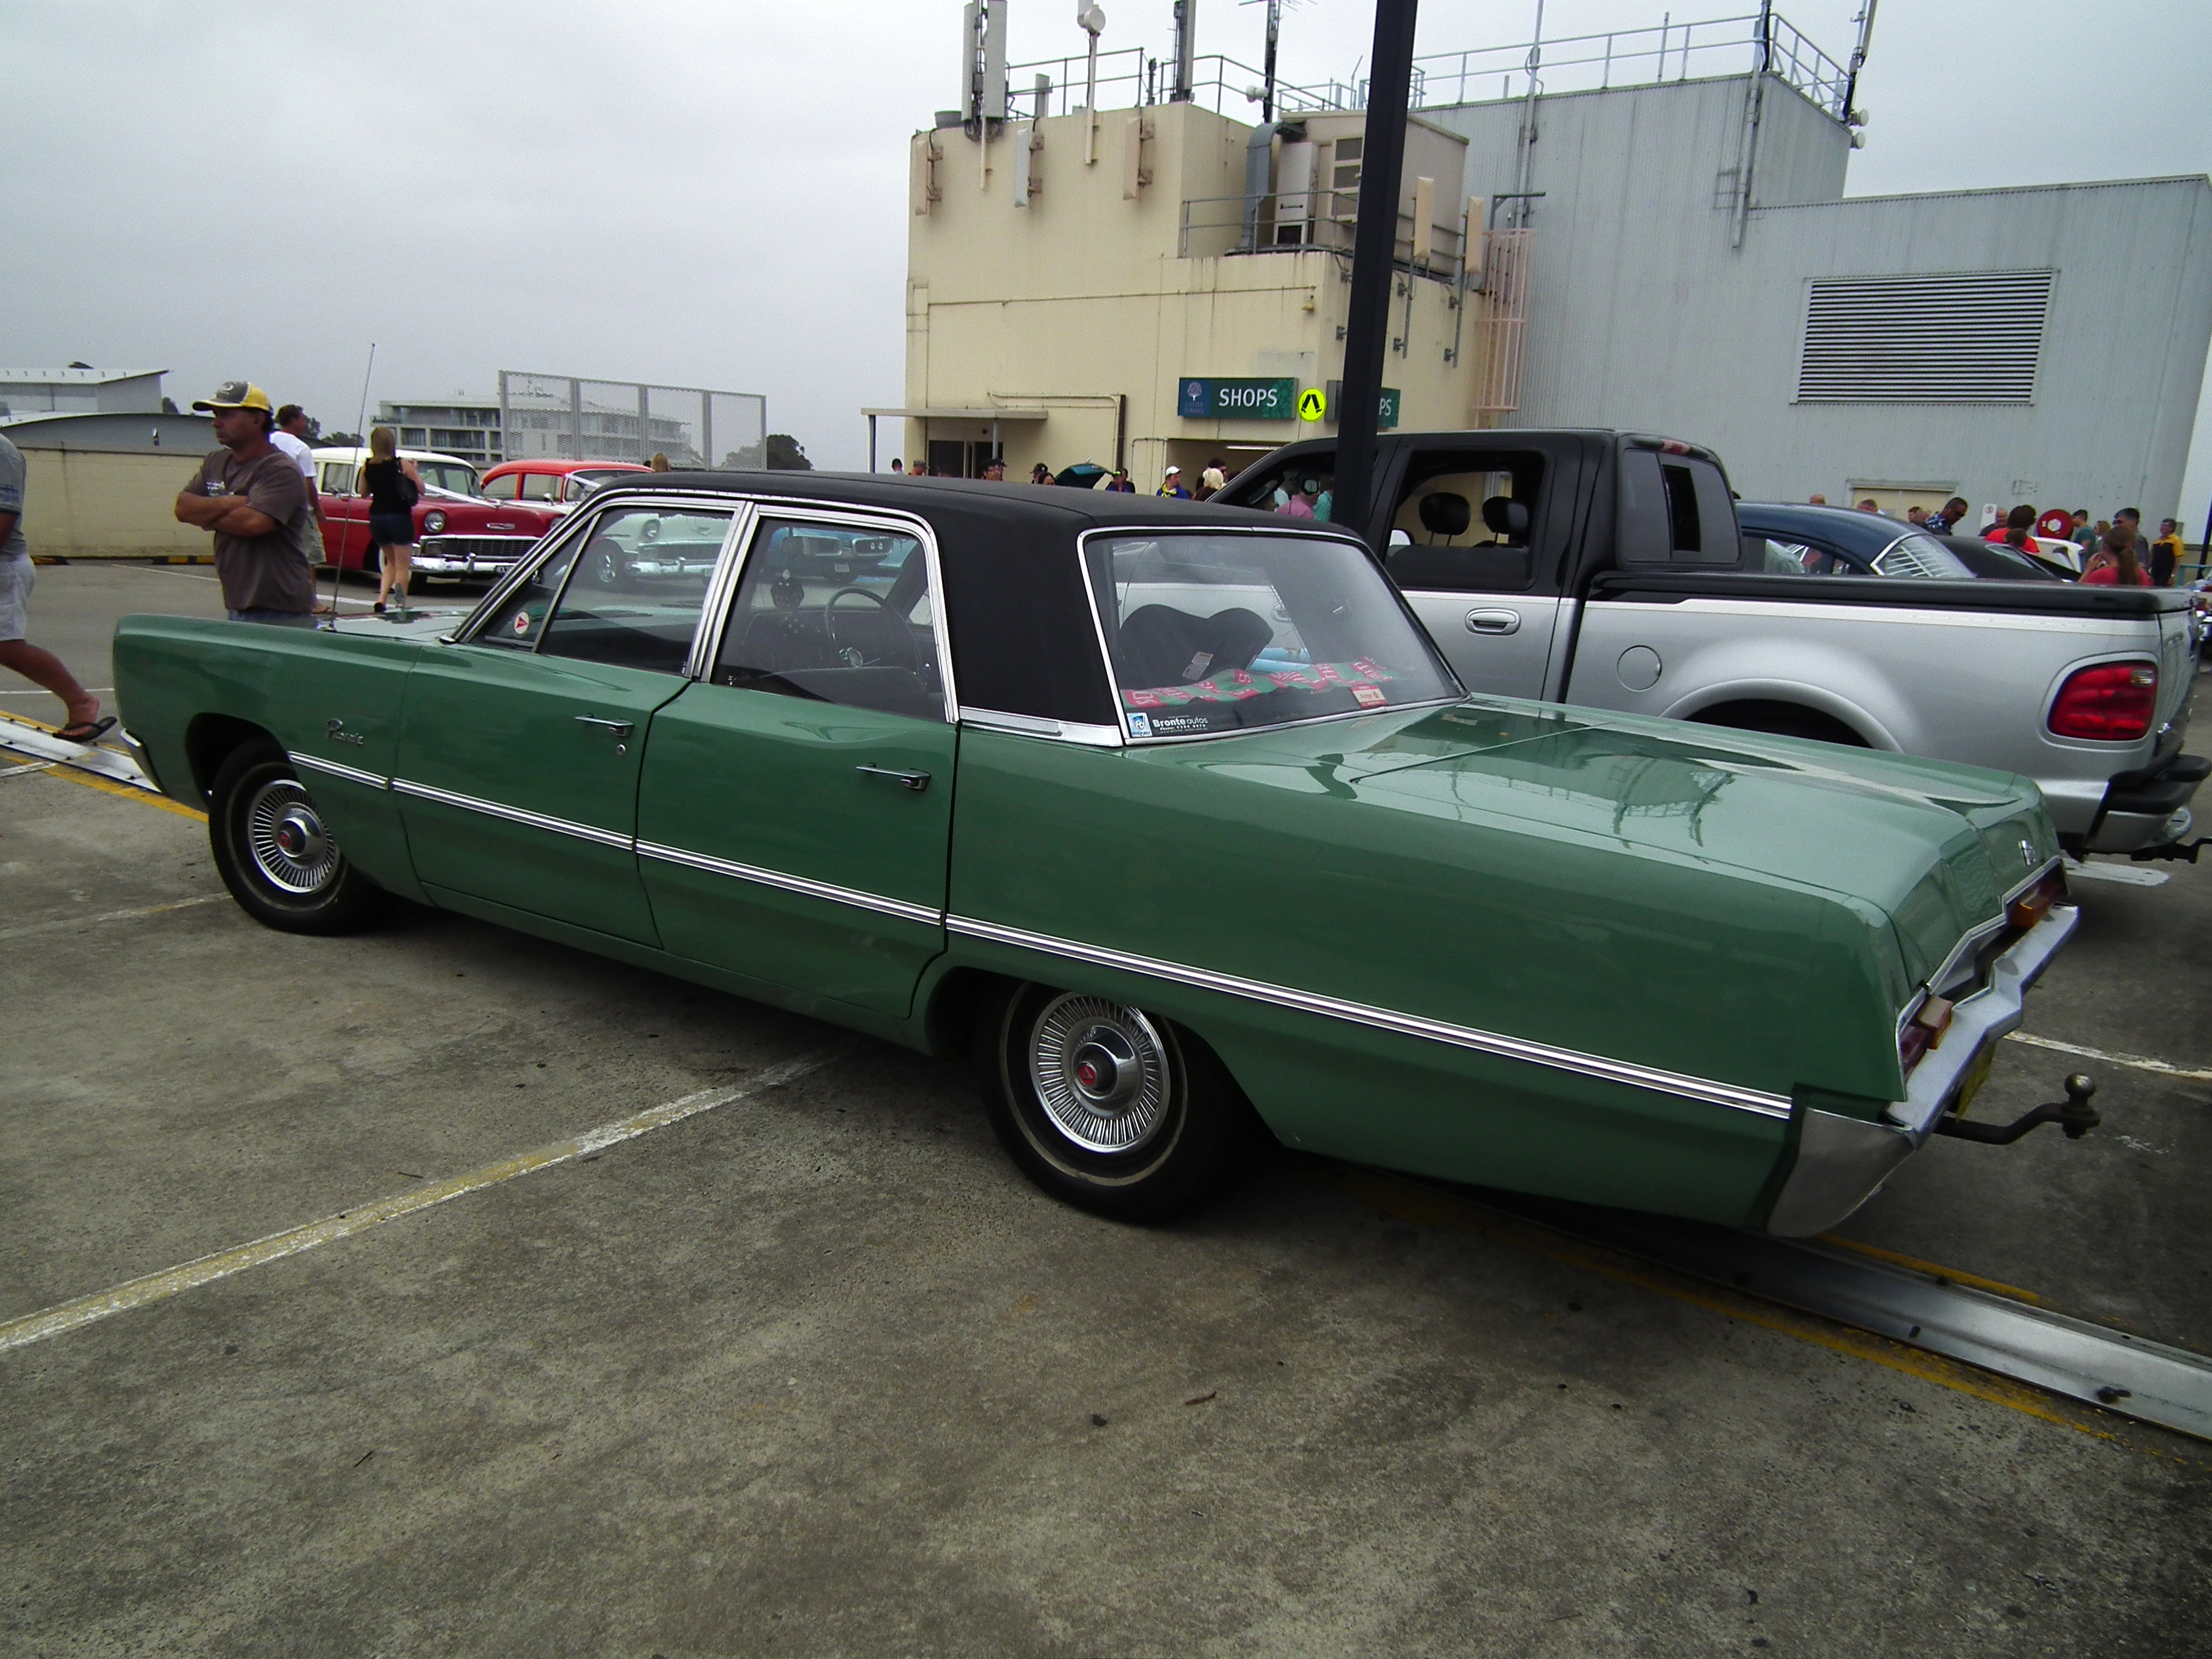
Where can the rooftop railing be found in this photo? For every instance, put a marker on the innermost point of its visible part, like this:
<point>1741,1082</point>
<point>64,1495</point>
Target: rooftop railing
<point>1662,52</point>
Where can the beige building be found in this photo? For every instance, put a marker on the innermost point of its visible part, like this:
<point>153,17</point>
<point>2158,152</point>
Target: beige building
<point>1159,286</point>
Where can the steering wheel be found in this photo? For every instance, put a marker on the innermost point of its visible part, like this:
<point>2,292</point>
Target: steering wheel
<point>900,630</point>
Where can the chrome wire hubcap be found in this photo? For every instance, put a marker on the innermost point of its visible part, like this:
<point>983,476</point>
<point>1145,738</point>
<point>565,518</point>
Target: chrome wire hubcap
<point>1100,1070</point>
<point>287,840</point>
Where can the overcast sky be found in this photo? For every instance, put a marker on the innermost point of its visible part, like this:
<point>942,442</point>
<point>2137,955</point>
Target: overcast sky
<point>713,194</point>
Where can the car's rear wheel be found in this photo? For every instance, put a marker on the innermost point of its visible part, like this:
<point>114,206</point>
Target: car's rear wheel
<point>1108,1107</point>
<point>275,854</point>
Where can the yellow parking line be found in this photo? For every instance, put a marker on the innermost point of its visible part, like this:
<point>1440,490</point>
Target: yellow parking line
<point>170,1281</point>
<point>107,787</point>
<point>1428,1207</point>
<point>1994,1286</point>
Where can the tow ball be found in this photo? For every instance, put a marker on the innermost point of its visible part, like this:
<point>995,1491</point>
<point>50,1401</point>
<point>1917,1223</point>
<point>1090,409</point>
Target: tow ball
<point>2075,1114</point>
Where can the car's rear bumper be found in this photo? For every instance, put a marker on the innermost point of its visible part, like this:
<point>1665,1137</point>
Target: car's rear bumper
<point>1842,1161</point>
<point>2147,808</point>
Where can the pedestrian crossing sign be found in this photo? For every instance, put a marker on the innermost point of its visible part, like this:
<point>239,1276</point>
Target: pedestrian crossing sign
<point>1312,404</point>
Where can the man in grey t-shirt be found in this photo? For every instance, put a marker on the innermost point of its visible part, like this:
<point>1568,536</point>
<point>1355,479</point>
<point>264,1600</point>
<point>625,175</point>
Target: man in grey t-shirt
<point>86,723</point>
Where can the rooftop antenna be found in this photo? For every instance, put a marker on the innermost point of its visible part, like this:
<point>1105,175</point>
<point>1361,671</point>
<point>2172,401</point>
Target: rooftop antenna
<point>1853,115</point>
<point>1186,49</point>
<point>1522,194</point>
<point>1267,64</point>
<point>1091,20</point>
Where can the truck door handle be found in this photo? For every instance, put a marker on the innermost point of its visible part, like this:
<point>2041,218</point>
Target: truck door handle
<point>617,728</point>
<point>1493,622</point>
<point>916,782</point>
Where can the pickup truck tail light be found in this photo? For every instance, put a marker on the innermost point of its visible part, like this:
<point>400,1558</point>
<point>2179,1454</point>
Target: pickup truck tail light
<point>2112,701</point>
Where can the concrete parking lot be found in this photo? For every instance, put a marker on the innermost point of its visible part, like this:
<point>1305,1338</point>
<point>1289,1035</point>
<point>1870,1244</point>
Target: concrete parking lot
<point>813,1371</point>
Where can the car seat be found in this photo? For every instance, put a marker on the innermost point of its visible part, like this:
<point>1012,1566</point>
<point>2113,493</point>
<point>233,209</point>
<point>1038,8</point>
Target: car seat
<point>1161,646</point>
<point>1446,515</point>
<point>1505,518</point>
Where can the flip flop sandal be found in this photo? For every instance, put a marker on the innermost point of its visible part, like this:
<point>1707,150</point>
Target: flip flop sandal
<point>86,733</point>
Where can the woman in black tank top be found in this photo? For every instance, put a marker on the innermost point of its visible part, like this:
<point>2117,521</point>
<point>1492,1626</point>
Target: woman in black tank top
<point>393,486</point>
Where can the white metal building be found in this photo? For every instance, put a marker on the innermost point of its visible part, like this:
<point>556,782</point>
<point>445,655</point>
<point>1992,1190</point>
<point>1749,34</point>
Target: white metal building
<point>1696,269</point>
<point>80,389</point>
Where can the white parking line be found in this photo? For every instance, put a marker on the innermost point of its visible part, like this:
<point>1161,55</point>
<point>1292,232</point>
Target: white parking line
<point>154,1287</point>
<point>2138,1061</point>
<point>68,924</point>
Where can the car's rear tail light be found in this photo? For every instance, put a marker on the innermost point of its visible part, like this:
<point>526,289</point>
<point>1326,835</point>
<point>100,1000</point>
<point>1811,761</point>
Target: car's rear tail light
<point>1922,1031</point>
<point>2113,702</point>
<point>2030,907</point>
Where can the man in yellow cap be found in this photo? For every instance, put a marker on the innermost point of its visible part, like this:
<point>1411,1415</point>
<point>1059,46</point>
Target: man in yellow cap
<point>252,497</point>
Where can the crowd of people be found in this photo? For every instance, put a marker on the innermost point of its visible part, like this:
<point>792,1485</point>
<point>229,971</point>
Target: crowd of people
<point>2114,551</point>
<point>1211,482</point>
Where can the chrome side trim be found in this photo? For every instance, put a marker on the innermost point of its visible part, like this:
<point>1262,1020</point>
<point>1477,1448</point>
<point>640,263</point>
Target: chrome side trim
<point>1038,725</point>
<point>1729,1094</point>
<point>350,773</point>
<point>1841,1162</point>
<point>901,908</point>
<point>511,814</point>
<point>1979,1020</point>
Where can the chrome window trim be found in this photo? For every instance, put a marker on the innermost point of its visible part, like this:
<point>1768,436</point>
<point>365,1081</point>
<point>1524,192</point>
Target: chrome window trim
<point>1756,1102</point>
<point>721,587</point>
<point>850,518</point>
<point>514,814</point>
<point>1041,725</point>
<point>1329,532</point>
<point>350,773</point>
<point>928,915</point>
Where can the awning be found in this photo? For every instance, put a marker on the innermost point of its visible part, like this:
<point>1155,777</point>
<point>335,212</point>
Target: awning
<point>957,414</point>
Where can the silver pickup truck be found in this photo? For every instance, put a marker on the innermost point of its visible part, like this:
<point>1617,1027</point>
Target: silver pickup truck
<point>1610,569</point>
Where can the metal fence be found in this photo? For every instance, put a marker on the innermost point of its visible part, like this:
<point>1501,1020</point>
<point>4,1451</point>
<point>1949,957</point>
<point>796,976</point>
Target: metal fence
<point>566,417</point>
<point>1571,63</point>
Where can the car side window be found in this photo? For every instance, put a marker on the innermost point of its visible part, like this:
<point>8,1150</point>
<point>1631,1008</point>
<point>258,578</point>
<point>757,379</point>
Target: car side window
<point>539,486</point>
<point>520,622</point>
<point>638,589</point>
<point>1676,509</point>
<point>836,614</point>
<point>1772,558</point>
<point>337,477</point>
<point>1466,521</point>
<point>505,488</point>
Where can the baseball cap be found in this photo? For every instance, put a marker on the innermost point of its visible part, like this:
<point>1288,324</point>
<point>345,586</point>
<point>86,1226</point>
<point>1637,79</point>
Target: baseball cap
<point>1173,469</point>
<point>237,394</point>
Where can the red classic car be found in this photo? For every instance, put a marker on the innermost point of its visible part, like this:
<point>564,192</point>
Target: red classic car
<point>458,533</point>
<point>556,483</point>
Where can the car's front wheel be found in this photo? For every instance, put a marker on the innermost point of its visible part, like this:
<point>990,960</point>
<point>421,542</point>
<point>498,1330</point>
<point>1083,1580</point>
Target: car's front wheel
<point>275,854</point>
<point>1108,1107</point>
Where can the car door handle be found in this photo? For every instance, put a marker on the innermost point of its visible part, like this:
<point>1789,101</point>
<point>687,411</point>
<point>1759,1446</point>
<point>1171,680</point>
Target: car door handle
<point>618,728</point>
<point>914,780</point>
<point>1493,622</point>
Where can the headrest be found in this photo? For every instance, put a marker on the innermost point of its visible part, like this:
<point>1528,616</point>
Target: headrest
<point>1443,513</point>
<point>1506,517</point>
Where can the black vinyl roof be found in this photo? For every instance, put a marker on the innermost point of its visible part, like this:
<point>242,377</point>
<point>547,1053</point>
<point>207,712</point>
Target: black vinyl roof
<point>1868,534</point>
<point>969,502</point>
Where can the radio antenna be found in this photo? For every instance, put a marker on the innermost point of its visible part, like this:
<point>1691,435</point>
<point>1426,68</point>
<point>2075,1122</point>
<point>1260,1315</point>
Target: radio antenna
<point>361,437</point>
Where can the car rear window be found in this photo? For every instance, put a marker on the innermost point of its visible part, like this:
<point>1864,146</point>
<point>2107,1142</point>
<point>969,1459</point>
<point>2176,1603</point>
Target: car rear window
<point>1210,633</point>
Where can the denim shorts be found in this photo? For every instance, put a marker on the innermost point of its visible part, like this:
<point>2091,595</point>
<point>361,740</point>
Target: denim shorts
<point>392,530</point>
<point>14,597</point>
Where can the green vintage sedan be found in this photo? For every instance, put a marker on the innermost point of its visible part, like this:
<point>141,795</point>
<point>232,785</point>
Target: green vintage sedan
<point>1170,814</point>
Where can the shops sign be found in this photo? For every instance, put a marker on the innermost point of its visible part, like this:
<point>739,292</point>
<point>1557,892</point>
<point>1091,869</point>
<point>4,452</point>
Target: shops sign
<point>1386,414</point>
<point>1237,400</point>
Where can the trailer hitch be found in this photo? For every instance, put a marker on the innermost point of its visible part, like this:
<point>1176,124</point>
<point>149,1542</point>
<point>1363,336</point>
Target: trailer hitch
<point>2075,1116</point>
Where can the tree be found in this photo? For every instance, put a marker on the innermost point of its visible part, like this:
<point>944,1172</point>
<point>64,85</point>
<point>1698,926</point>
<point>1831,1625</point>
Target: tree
<point>169,406</point>
<point>784,455</point>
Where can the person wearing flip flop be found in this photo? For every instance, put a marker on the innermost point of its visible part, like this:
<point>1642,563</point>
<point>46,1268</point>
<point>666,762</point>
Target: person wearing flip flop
<point>252,497</point>
<point>86,722</point>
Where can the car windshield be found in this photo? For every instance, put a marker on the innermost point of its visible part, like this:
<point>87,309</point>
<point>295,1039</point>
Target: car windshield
<point>450,476</point>
<point>1212,632</point>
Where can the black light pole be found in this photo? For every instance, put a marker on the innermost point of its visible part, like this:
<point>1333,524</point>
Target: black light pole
<point>1373,256</point>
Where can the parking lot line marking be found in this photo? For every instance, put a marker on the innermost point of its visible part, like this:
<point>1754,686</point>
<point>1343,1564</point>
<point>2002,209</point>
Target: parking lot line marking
<point>1425,1207</point>
<point>2139,1062</point>
<point>127,792</point>
<point>1933,1269</point>
<point>67,923</point>
<point>170,1281</point>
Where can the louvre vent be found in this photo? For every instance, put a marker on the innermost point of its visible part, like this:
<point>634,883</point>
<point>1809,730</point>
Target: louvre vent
<point>1970,338</point>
